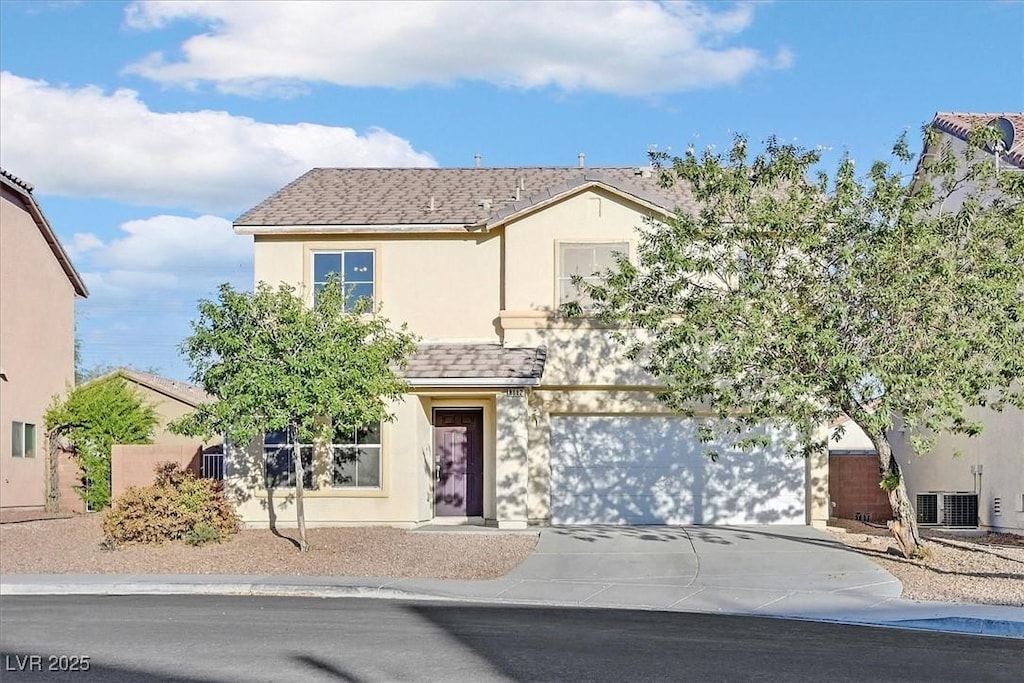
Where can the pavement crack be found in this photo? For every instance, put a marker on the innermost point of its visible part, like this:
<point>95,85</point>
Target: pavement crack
<point>696,558</point>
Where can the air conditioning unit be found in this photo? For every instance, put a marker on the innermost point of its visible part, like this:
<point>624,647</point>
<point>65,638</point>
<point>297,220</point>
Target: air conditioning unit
<point>948,508</point>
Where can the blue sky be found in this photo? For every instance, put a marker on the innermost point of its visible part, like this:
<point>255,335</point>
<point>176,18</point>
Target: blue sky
<point>147,127</point>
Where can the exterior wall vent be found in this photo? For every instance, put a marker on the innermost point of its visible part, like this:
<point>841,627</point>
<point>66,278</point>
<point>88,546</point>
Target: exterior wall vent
<point>997,506</point>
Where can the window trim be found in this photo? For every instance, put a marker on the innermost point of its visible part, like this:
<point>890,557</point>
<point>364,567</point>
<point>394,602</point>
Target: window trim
<point>342,250</point>
<point>630,249</point>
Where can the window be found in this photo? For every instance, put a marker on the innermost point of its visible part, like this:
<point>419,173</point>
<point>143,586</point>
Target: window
<point>278,452</point>
<point>356,458</point>
<point>23,440</point>
<point>354,268</point>
<point>586,259</point>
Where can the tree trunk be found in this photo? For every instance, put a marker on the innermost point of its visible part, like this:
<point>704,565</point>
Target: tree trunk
<point>52,473</point>
<point>904,520</point>
<point>300,515</point>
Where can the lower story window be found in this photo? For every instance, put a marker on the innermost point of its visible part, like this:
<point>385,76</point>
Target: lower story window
<point>279,466</point>
<point>356,458</point>
<point>23,440</point>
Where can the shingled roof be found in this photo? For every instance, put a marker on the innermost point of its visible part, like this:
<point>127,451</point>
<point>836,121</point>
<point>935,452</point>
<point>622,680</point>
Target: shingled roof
<point>475,364</point>
<point>454,197</point>
<point>187,393</point>
<point>961,125</point>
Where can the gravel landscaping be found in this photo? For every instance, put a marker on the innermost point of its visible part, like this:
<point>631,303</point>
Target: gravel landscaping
<point>957,567</point>
<point>72,546</point>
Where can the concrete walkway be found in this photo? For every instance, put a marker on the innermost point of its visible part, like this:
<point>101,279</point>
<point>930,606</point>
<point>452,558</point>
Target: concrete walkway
<point>784,571</point>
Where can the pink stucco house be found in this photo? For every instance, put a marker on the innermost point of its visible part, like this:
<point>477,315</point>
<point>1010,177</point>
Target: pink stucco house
<point>38,288</point>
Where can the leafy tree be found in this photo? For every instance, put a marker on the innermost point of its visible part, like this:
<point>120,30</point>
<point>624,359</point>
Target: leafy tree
<point>93,418</point>
<point>275,364</point>
<point>788,301</point>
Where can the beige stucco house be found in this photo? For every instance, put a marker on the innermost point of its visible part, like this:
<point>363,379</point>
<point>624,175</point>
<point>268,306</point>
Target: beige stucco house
<point>515,415</point>
<point>38,287</point>
<point>991,464</point>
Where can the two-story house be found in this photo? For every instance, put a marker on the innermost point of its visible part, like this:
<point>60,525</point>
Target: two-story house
<point>515,414</point>
<point>38,287</point>
<point>990,465</point>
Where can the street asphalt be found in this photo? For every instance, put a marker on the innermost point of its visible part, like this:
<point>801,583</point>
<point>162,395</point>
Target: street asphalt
<point>244,638</point>
<point>782,571</point>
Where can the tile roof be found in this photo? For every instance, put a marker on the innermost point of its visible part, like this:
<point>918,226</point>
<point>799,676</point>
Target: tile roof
<point>457,197</point>
<point>961,125</point>
<point>183,391</point>
<point>475,361</point>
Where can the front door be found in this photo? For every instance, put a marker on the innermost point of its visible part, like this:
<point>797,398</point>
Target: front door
<point>459,459</point>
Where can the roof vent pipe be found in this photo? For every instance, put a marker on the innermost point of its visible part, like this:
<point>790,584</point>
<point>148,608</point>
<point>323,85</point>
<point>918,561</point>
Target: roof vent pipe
<point>582,158</point>
<point>477,159</point>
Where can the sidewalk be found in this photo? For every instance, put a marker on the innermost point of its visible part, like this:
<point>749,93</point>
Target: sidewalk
<point>792,572</point>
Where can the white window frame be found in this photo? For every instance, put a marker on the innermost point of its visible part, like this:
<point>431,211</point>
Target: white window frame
<point>23,446</point>
<point>354,444</point>
<point>563,280</point>
<point>341,274</point>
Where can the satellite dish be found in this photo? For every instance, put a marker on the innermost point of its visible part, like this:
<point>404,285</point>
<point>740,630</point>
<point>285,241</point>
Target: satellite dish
<point>1005,140</point>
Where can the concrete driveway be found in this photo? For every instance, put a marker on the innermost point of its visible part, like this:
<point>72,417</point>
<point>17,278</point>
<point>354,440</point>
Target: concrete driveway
<point>779,570</point>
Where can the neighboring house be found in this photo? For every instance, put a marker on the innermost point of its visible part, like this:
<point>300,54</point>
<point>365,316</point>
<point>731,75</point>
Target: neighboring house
<point>991,464</point>
<point>132,465</point>
<point>515,415</point>
<point>38,287</point>
<point>170,398</point>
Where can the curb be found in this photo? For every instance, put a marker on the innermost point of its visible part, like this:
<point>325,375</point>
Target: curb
<point>969,625</point>
<point>225,589</point>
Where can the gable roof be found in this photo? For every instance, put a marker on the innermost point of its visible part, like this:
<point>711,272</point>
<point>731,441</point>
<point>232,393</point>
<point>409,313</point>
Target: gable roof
<point>187,393</point>
<point>24,191</point>
<point>962,124</point>
<point>444,198</point>
<point>475,365</point>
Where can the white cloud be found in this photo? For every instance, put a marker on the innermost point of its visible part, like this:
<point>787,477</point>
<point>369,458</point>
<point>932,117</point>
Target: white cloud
<point>85,142</point>
<point>164,253</point>
<point>145,282</point>
<point>630,47</point>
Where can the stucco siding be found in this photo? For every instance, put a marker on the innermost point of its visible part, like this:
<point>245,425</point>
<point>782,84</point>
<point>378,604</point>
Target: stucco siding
<point>169,409</point>
<point>998,450</point>
<point>446,287</point>
<point>37,336</point>
<point>531,254</point>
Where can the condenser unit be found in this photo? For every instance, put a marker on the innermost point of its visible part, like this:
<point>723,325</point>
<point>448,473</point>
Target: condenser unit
<point>948,508</point>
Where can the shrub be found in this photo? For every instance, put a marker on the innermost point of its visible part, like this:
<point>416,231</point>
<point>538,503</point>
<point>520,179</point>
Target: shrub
<point>177,506</point>
<point>203,533</point>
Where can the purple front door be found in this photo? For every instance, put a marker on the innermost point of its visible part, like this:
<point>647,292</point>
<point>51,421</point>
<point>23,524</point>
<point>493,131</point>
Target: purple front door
<point>459,456</point>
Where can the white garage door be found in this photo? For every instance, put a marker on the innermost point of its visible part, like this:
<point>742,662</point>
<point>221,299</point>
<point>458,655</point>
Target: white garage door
<point>652,470</point>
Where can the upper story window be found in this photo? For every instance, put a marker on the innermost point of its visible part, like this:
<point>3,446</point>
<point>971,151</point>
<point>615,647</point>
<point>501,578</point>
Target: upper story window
<point>588,260</point>
<point>355,268</point>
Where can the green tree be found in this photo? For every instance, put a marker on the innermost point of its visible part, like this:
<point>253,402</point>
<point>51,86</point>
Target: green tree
<point>788,301</point>
<point>93,418</point>
<point>275,364</point>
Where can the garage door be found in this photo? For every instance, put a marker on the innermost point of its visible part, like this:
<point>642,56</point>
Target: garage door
<point>652,470</point>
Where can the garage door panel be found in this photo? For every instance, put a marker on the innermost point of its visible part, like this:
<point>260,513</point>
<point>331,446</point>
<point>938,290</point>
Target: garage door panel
<point>652,470</point>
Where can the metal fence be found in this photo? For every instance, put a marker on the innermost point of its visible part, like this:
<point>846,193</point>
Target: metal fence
<point>213,465</point>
